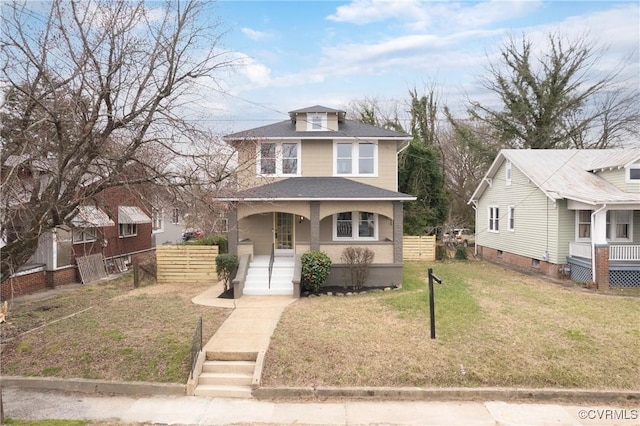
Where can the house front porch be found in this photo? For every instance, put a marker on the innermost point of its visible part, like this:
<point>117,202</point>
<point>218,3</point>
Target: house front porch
<point>622,262</point>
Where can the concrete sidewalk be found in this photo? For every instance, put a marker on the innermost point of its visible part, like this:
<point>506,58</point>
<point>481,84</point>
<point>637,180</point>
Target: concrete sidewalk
<point>250,325</point>
<point>183,410</point>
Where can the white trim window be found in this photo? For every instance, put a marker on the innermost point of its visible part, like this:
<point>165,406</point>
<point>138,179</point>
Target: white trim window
<point>355,225</point>
<point>633,173</point>
<point>278,159</point>
<point>508,173</point>
<point>583,225</point>
<point>619,225</point>
<point>84,235</point>
<point>355,158</point>
<point>316,121</point>
<point>157,220</point>
<point>127,230</point>
<point>494,219</point>
<point>175,216</point>
<point>511,223</point>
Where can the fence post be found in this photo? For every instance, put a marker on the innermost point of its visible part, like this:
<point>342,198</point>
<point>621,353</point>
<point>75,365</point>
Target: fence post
<point>136,275</point>
<point>432,310</point>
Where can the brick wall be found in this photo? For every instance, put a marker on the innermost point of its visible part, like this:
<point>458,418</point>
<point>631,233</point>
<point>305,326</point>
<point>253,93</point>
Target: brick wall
<point>23,284</point>
<point>523,262</point>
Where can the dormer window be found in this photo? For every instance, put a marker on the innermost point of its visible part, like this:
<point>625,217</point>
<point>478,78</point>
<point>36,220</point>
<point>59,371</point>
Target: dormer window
<point>316,121</point>
<point>633,173</point>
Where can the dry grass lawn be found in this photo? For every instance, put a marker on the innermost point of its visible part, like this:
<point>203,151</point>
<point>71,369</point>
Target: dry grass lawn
<point>495,327</point>
<point>117,332</point>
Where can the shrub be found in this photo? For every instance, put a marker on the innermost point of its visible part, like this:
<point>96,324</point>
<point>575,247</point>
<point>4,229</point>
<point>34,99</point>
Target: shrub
<point>358,259</point>
<point>461,253</point>
<point>226,265</point>
<point>212,240</point>
<point>441,252</point>
<point>316,266</point>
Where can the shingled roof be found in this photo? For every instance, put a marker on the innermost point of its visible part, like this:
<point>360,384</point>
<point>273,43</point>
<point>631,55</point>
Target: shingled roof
<point>287,130</point>
<point>318,189</point>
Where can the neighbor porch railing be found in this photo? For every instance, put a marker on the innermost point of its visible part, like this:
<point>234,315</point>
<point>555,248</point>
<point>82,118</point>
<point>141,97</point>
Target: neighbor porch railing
<point>616,252</point>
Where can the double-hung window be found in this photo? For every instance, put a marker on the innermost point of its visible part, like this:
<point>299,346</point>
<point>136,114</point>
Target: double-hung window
<point>494,219</point>
<point>512,218</point>
<point>127,229</point>
<point>355,226</point>
<point>357,158</point>
<point>157,221</point>
<point>279,159</point>
<point>584,224</point>
<point>619,225</point>
<point>84,235</point>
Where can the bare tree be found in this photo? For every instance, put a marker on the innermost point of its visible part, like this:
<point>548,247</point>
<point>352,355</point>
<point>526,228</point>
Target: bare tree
<point>557,99</point>
<point>94,98</point>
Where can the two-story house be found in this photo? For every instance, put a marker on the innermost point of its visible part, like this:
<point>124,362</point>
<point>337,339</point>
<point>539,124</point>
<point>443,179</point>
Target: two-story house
<point>563,211</point>
<point>315,182</point>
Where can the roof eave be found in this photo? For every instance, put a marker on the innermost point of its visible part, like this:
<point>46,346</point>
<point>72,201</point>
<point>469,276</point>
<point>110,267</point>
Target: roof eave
<point>272,199</point>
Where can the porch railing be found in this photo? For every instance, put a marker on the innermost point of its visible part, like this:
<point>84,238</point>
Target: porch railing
<point>616,252</point>
<point>271,259</point>
<point>624,252</point>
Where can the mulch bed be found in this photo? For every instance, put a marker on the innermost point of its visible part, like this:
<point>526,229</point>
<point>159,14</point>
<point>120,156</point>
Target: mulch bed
<point>345,291</point>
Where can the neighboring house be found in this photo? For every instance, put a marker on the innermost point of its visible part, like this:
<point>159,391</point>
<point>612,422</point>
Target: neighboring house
<point>563,211</point>
<point>120,230</point>
<point>315,182</point>
<point>168,225</point>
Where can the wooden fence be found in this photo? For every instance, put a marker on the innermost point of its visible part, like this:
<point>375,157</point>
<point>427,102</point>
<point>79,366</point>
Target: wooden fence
<point>186,264</point>
<point>419,248</point>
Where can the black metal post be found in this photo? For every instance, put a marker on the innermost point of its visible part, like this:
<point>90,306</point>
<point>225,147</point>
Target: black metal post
<point>432,308</point>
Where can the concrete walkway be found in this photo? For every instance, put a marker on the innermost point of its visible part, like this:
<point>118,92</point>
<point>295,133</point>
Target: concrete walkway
<point>189,410</point>
<point>250,325</point>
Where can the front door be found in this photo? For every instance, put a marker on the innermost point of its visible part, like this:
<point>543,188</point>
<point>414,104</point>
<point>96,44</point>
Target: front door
<point>283,233</point>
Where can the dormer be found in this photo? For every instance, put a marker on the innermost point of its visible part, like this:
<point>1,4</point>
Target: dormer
<point>317,119</point>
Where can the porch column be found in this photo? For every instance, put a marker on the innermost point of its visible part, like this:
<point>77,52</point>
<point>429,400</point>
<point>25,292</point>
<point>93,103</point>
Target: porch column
<point>398,221</point>
<point>314,216</point>
<point>600,254</point>
<point>232,222</point>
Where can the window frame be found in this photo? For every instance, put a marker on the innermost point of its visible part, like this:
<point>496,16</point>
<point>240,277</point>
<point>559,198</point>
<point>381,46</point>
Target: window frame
<point>578,223</point>
<point>628,178</point>
<point>356,220</point>
<point>131,227</point>
<point>279,158</point>
<point>508,174</point>
<point>493,219</point>
<point>613,221</point>
<point>317,121</point>
<point>511,218</point>
<point>175,216</point>
<point>157,219</point>
<point>356,158</point>
<point>83,232</point>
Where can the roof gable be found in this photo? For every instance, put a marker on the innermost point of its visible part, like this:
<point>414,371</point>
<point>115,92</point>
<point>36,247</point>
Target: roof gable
<point>566,174</point>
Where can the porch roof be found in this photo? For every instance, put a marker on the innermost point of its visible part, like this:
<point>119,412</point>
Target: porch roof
<point>318,189</point>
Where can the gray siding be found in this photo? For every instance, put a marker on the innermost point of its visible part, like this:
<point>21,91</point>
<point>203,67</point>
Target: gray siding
<point>615,177</point>
<point>536,218</point>
<point>566,230</point>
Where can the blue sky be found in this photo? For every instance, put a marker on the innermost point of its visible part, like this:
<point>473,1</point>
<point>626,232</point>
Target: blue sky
<point>295,54</point>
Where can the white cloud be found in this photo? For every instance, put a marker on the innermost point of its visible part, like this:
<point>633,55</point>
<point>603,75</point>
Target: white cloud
<point>255,35</point>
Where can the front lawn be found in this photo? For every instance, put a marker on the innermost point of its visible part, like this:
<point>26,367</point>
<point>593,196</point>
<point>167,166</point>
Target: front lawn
<point>495,327</point>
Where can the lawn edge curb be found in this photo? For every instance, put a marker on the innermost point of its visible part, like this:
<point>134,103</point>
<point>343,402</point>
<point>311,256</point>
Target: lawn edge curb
<point>451,394</point>
<point>94,386</point>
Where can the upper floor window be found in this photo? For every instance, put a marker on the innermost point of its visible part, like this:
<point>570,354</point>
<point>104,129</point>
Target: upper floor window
<point>355,226</point>
<point>355,158</point>
<point>317,121</point>
<point>494,219</point>
<point>156,219</point>
<point>127,229</point>
<point>633,173</point>
<point>507,177</point>
<point>84,235</point>
<point>278,159</point>
<point>175,216</point>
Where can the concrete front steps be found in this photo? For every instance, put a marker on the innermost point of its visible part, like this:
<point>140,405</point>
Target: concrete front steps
<point>257,281</point>
<point>227,375</point>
